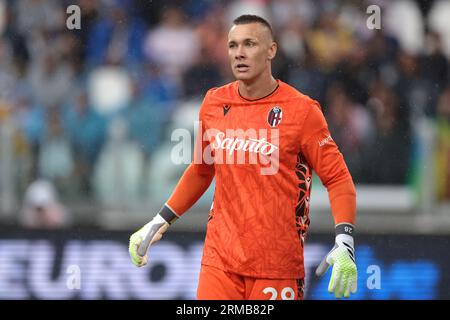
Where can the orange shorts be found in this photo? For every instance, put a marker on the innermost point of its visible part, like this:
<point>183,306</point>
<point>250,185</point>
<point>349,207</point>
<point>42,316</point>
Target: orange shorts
<point>216,284</point>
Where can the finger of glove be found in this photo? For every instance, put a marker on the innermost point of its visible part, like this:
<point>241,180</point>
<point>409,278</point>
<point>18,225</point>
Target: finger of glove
<point>134,252</point>
<point>345,286</point>
<point>135,258</point>
<point>351,285</point>
<point>338,286</point>
<point>351,288</point>
<point>333,280</point>
<point>133,248</point>
<point>136,261</point>
<point>322,268</point>
<point>134,245</point>
<point>354,284</point>
<point>139,261</point>
<point>144,261</point>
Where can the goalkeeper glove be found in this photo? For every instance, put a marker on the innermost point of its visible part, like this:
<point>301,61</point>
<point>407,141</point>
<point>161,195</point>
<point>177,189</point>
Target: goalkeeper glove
<point>152,232</point>
<point>344,275</point>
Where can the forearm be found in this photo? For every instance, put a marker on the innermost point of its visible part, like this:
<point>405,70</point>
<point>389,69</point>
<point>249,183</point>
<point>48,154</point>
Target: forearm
<point>190,188</point>
<point>342,198</point>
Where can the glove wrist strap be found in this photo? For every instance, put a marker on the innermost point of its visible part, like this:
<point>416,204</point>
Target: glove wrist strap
<point>344,234</point>
<point>168,214</point>
<point>344,228</point>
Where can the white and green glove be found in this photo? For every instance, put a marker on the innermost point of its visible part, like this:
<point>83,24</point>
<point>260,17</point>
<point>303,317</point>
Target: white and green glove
<point>344,275</point>
<point>152,232</point>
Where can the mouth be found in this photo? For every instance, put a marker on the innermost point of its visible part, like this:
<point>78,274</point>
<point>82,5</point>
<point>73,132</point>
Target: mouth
<point>242,67</point>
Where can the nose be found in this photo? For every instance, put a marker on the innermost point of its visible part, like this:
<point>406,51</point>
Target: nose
<point>239,54</point>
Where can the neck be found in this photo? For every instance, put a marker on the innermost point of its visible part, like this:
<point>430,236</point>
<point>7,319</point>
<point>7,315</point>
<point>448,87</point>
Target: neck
<point>258,88</point>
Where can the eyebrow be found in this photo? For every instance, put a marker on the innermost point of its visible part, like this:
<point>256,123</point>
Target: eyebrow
<point>244,40</point>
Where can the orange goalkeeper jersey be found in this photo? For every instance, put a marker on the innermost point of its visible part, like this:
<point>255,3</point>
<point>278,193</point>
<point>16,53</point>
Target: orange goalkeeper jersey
<point>262,153</point>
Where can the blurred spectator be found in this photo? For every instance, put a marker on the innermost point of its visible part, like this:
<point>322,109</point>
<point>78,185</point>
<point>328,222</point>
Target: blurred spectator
<point>14,154</point>
<point>435,65</point>
<point>71,50</point>
<point>282,65</point>
<point>173,44</point>
<point>434,69</point>
<point>196,10</point>
<point>2,16</point>
<point>438,22</point>
<point>201,76</point>
<point>309,79</point>
<point>291,40</point>
<point>109,88</point>
<point>387,153</point>
<point>238,7</point>
<point>155,86</point>
<point>86,130</point>
<point>382,49</point>
<point>353,73</point>
<point>146,118</point>
<point>291,49</point>
<point>329,41</point>
<point>90,11</point>
<point>403,19</point>
<point>442,168</point>
<point>29,117</point>
<point>118,175</point>
<point>412,88</point>
<point>41,207</point>
<point>350,126</point>
<point>353,15</point>
<point>115,36</point>
<point>32,15</point>
<point>55,155</point>
<point>286,11</point>
<point>212,33</point>
<point>50,80</point>
<point>8,74</point>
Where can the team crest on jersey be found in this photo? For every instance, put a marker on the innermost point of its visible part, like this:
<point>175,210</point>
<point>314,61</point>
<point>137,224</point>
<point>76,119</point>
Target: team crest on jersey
<point>274,117</point>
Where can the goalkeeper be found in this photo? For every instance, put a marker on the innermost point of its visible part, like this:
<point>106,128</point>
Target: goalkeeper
<point>259,218</point>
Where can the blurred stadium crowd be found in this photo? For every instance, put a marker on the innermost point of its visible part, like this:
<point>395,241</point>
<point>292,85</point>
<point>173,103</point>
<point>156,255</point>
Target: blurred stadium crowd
<point>76,105</point>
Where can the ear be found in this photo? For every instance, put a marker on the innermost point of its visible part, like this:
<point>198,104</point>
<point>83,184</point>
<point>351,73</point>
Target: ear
<point>272,51</point>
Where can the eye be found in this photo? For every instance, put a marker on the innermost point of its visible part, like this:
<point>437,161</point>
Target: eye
<point>232,45</point>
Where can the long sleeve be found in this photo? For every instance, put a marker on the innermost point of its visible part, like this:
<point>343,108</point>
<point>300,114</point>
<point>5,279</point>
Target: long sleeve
<point>324,157</point>
<point>191,186</point>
